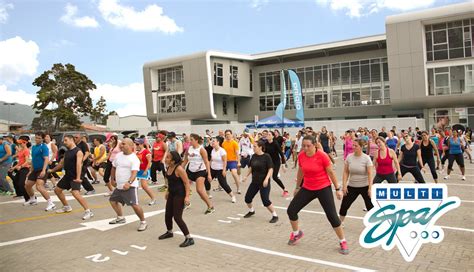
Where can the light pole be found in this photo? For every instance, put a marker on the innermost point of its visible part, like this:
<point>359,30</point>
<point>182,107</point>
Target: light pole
<point>8,104</point>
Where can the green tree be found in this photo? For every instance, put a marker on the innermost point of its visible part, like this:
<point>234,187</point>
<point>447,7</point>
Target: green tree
<point>99,112</point>
<point>44,122</point>
<point>63,96</point>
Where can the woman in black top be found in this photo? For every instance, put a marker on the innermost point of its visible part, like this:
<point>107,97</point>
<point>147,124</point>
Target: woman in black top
<point>410,159</point>
<point>427,147</point>
<point>176,197</point>
<point>273,149</point>
<point>261,169</point>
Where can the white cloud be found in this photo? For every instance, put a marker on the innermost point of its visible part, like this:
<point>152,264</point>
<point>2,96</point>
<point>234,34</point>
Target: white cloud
<point>62,43</point>
<point>71,18</point>
<point>358,8</point>
<point>18,96</point>
<point>125,100</point>
<point>17,58</point>
<point>150,19</point>
<point>4,12</point>
<point>258,4</point>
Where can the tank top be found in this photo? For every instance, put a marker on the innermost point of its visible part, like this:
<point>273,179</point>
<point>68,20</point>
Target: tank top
<point>3,152</point>
<point>323,137</point>
<point>385,165</point>
<point>348,148</point>
<point>410,155</point>
<point>455,146</point>
<point>186,146</point>
<point>435,139</point>
<point>158,151</point>
<point>426,151</point>
<point>70,160</point>
<point>50,150</point>
<point>97,153</point>
<point>196,162</point>
<point>175,184</point>
<point>373,148</point>
<point>172,146</point>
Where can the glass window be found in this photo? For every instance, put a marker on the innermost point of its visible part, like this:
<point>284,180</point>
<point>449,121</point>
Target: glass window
<point>318,78</point>
<point>385,72</point>
<point>224,105</point>
<point>336,99</point>
<point>457,79</point>
<point>365,96</point>
<point>355,73</point>
<point>251,80</point>
<point>277,82</point>
<point>325,75</point>
<point>365,73</point>
<point>375,72</point>
<point>269,82</point>
<point>262,83</point>
<point>234,76</point>
<point>262,103</point>
<point>309,80</point>
<point>376,96</point>
<point>431,86</point>
<point>345,75</point>
<point>346,98</point>
<point>218,74</point>
<point>335,74</point>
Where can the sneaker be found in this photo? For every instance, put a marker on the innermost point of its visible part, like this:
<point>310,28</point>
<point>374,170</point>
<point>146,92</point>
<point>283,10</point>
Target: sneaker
<point>108,194</point>
<point>95,182</point>
<point>344,249</point>
<point>239,192</point>
<point>233,199</point>
<point>152,202</point>
<point>165,235</point>
<point>50,206</point>
<point>218,189</point>
<point>210,210</point>
<point>249,214</point>
<point>187,242</point>
<point>295,238</point>
<point>32,201</point>
<point>142,226</point>
<point>118,221</point>
<point>187,206</point>
<point>90,192</point>
<point>285,194</point>
<point>274,219</point>
<point>446,178</point>
<point>463,178</point>
<point>64,209</point>
<point>87,215</point>
<point>163,188</point>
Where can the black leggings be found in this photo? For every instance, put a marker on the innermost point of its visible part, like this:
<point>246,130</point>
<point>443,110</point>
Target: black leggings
<point>455,157</point>
<point>19,183</point>
<point>157,166</point>
<point>304,197</point>
<point>108,171</point>
<point>54,174</point>
<point>222,181</point>
<point>174,209</point>
<point>445,157</point>
<point>431,163</point>
<point>352,194</point>
<point>415,171</point>
<point>85,182</point>
<point>276,170</point>
<point>264,194</point>
<point>390,178</point>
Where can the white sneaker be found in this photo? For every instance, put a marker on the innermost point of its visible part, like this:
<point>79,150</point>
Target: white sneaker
<point>87,215</point>
<point>142,226</point>
<point>90,192</point>
<point>64,209</point>
<point>446,178</point>
<point>233,199</point>
<point>463,178</point>
<point>50,207</point>
<point>32,201</point>
<point>152,202</point>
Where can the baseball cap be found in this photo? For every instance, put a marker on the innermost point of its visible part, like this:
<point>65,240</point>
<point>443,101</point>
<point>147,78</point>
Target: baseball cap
<point>171,135</point>
<point>139,141</point>
<point>108,136</point>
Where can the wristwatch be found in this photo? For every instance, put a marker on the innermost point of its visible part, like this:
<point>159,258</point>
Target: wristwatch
<point>339,189</point>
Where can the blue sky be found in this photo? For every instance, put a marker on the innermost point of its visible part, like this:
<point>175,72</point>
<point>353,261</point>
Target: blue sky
<point>110,40</point>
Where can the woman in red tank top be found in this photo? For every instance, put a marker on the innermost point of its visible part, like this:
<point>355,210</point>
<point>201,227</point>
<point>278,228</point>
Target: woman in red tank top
<point>384,160</point>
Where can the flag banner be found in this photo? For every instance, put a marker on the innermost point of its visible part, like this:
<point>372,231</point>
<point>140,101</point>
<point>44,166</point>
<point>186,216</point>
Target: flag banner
<point>281,107</point>
<point>297,96</point>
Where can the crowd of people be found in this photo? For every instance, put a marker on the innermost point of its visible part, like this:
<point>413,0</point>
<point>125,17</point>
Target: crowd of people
<point>369,156</point>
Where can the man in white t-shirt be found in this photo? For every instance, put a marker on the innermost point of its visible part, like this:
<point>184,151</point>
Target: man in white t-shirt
<point>297,147</point>
<point>124,177</point>
<point>246,151</point>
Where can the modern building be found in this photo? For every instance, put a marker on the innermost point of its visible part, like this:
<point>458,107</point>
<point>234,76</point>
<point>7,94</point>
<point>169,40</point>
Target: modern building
<point>139,123</point>
<point>422,67</point>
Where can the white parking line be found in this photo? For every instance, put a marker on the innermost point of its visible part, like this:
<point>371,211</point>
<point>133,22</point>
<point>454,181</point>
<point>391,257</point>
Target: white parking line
<point>224,221</point>
<point>280,254</point>
<point>362,218</point>
<point>233,218</point>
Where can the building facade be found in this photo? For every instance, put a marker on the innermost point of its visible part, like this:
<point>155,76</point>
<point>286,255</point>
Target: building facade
<point>422,67</point>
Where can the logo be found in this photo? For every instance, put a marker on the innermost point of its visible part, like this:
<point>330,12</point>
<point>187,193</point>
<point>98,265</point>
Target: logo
<point>405,215</point>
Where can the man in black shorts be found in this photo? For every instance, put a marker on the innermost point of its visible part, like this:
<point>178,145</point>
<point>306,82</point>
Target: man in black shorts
<point>72,163</point>
<point>85,163</point>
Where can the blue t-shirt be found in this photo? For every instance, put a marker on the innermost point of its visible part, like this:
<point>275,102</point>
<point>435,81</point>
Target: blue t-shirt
<point>455,146</point>
<point>38,152</point>
<point>435,140</point>
<point>392,143</point>
<point>3,152</point>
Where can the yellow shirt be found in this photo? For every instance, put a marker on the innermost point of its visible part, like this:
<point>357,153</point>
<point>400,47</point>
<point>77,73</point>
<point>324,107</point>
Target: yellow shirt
<point>97,153</point>
<point>232,149</point>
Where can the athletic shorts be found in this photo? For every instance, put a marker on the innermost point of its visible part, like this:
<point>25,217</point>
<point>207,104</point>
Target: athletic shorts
<point>126,197</point>
<point>35,176</point>
<point>231,165</point>
<point>244,162</point>
<point>143,175</point>
<point>67,183</point>
<point>102,165</point>
<point>193,176</point>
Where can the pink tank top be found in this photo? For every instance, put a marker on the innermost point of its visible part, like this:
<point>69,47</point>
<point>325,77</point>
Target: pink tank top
<point>384,166</point>
<point>348,148</point>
